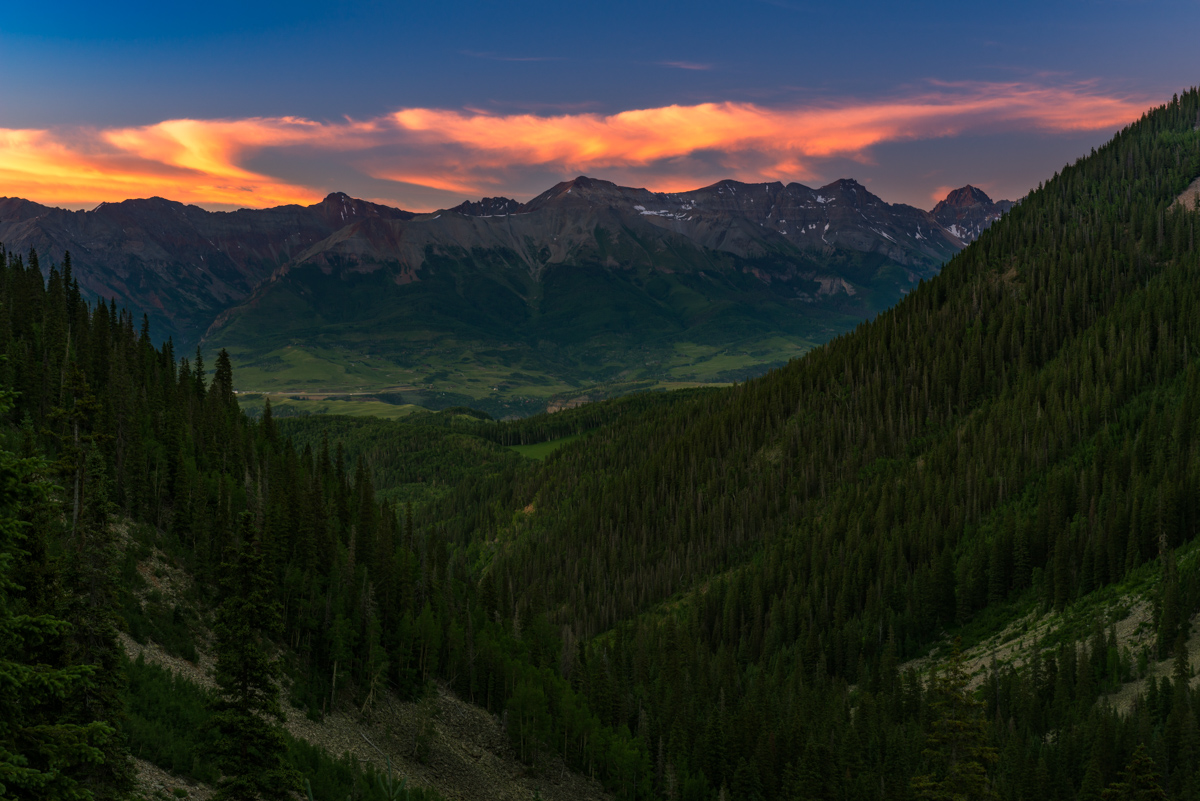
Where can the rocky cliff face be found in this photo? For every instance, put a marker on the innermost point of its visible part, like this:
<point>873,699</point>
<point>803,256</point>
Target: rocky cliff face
<point>741,218</point>
<point>967,212</point>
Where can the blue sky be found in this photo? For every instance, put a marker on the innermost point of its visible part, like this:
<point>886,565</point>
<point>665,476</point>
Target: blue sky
<point>75,71</point>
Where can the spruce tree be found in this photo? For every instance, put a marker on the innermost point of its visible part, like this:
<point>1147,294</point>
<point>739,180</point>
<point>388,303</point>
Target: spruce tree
<point>1139,781</point>
<point>41,755</point>
<point>957,753</point>
<point>249,747</point>
<point>91,606</point>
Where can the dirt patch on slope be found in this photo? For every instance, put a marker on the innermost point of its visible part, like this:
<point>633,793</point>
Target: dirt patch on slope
<point>469,758</point>
<point>1122,700</point>
<point>1188,198</point>
<point>1012,646</point>
<point>155,783</point>
<point>1015,645</point>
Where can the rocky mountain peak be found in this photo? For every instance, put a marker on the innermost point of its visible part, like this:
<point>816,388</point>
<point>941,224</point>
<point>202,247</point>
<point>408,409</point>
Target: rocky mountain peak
<point>338,208</point>
<point>967,196</point>
<point>580,189</point>
<point>489,207</point>
<point>849,191</point>
<point>967,212</point>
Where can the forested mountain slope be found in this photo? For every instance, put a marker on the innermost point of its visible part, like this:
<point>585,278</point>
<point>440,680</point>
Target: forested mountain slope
<point>350,596</point>
<point>1023,425</point>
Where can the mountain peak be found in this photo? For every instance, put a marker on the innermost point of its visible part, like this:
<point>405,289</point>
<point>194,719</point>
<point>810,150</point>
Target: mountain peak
<point>967,196</point>
<point>583,183</point>
<point>488,207</point>
<point>338,207</point>
<point>579,188</point>
<point>968,211</point>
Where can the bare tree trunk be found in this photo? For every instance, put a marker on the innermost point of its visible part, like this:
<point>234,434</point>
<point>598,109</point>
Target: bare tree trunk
<point>78,482</point>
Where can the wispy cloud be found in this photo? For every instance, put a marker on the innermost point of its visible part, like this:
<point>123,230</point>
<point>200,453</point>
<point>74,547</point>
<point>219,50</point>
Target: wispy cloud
<point>685,65</point>
<point>478,152</point>
<point>501,57</point>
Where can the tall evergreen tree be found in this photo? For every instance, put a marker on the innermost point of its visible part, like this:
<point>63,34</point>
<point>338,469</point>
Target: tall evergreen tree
<point>91,607</point>
<point>41,755</point>
<point>249,747</point>
<point>957,751</point>
<point>1139,781</point>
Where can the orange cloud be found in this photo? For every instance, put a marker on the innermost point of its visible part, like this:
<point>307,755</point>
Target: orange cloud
<point>939,193</point>
<point>469,151</point>
<point>785,139</point>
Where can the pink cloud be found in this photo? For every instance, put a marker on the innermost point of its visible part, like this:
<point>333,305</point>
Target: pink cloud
<point>474,152</point>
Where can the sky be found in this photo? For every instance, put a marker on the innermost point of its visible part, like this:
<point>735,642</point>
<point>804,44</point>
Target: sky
<point>243,104</point>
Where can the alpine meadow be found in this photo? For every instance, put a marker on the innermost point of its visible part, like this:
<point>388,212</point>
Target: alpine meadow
<point>742,508</point>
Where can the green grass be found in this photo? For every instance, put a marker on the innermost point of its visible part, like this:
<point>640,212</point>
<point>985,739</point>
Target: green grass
<point>464,374</point>
<point>541,450</point>
<point>283,405</point>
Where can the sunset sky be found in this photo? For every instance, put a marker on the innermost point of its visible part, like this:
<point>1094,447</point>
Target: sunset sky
<point>229,104</point>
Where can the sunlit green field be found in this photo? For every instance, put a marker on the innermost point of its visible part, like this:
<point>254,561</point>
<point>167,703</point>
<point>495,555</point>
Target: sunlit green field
<point>541,450</point>
<point>468,377</point>
<point>283,405</point>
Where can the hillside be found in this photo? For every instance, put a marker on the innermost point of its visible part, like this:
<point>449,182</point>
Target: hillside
<point>438,743</point>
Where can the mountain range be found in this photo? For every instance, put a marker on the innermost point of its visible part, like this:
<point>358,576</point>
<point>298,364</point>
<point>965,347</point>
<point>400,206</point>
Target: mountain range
<point>588,283</point>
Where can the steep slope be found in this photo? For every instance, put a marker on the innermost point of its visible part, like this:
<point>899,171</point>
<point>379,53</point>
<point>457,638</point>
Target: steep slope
<point>179,264</point>
<point>588,283</point>
<point>465,755</point>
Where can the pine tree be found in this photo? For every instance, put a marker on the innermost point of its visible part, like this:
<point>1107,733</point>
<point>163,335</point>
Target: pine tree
<point>1139,781</point>
<point>249,746</point>
<point>956,750</point>
<point>92,609</point>
<point>41,756</point>
<point>222,383</point>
